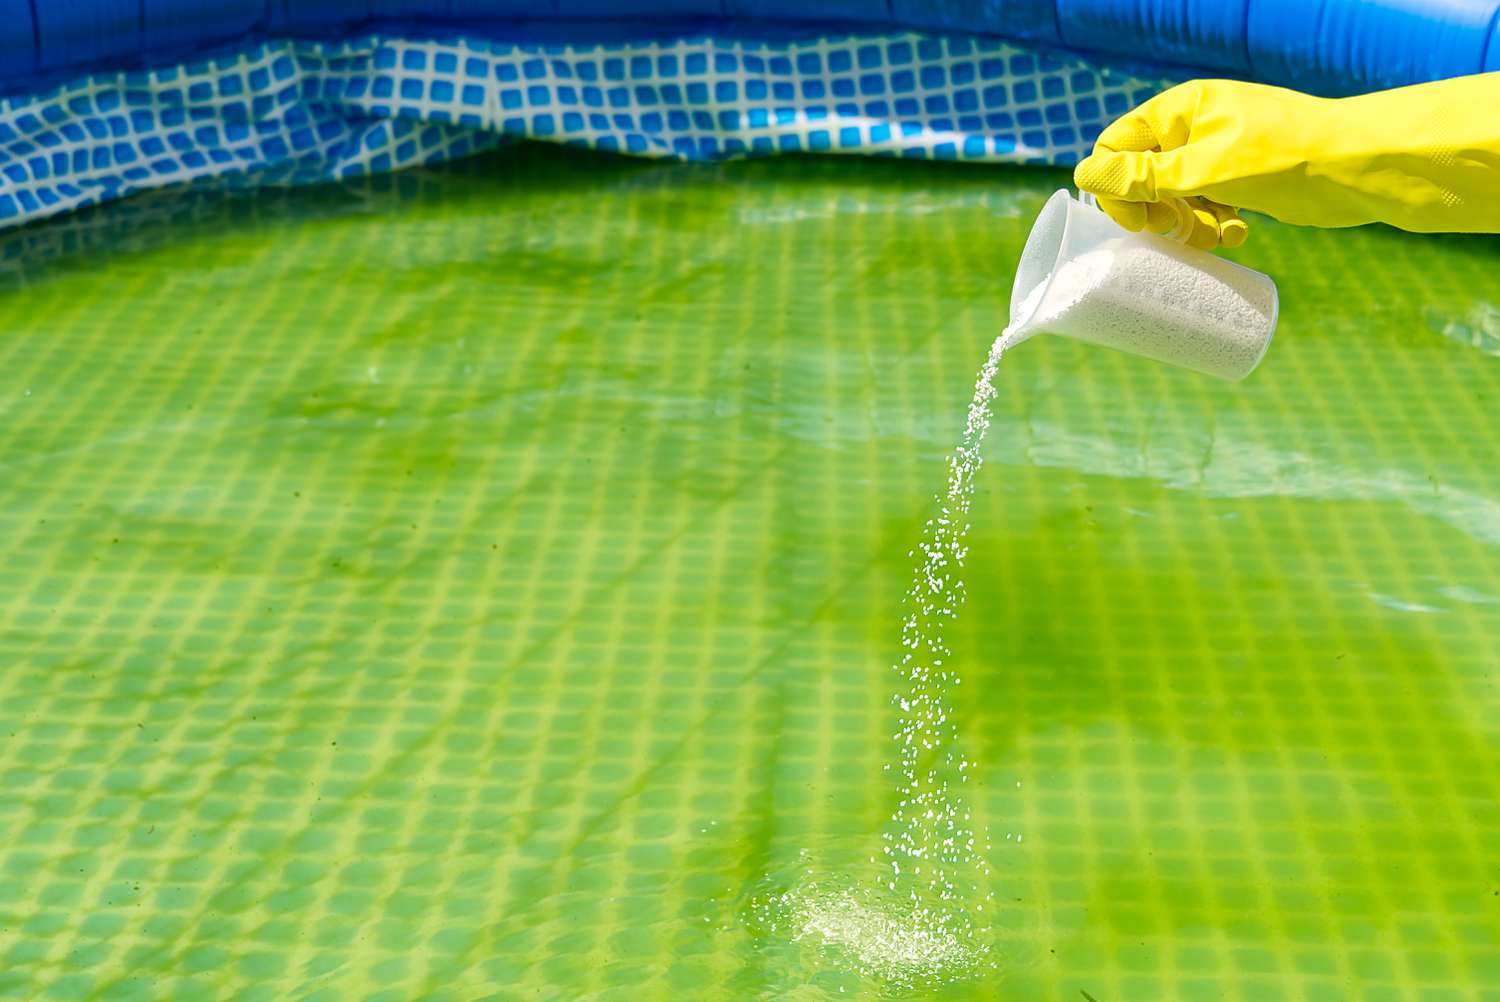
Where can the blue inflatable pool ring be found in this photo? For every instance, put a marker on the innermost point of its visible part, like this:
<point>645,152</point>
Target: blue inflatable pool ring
<point>103,97</point>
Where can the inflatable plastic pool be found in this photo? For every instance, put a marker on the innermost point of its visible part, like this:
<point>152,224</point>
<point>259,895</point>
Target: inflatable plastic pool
<point>480,580</point>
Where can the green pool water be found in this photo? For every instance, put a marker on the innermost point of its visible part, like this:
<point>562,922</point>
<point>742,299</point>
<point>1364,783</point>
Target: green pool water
<point>482,582</point>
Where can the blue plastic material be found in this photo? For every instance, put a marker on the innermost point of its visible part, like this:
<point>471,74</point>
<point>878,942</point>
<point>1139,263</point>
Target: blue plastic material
<point>78,33</point>
<point>1324,46</point>
<point>873,12</point>
<point>17,41</point>
<point>645,8</point>
<point>1205,35</point>
<point>1027,20</point>
<point>1337,47</point>
<point>305,16</point>
<point>169,24</point>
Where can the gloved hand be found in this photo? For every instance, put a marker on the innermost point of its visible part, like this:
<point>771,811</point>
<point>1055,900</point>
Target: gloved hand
<point>1424,158</point>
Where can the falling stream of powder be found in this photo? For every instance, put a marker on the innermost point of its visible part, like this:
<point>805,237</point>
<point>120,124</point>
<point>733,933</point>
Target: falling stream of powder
<point>924,920</point>
<point>931,846</point>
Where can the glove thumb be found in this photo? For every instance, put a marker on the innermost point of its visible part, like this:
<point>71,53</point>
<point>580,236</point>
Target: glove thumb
<point>1124,176</point>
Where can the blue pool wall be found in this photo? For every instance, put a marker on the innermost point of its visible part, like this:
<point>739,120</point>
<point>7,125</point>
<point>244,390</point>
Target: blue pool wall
<point>100,99</point>
<point>1329,47</point>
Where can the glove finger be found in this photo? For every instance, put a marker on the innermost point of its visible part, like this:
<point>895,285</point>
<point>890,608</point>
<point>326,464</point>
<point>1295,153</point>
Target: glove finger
<point>1202,222</point>
<point>1157,217</point>
<point>1174,218</point>
<point>1209,224</point>
<point>1161,217</point>
<point>1133,216</point>
<point>1232,229</point>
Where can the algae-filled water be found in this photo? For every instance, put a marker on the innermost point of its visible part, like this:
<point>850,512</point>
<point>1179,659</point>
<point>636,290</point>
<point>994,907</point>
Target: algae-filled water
<point>483,582</point>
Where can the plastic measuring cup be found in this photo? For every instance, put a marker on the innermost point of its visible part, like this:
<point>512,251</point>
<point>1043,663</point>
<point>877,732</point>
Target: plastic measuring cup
<point>1083,276</point>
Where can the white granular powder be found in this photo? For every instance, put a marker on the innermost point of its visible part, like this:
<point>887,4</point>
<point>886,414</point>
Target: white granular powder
<point>902,947</point>
<point>1033,299</point>
<point>1200,312</point>
<point>922,920</point>
<point>934,852</point>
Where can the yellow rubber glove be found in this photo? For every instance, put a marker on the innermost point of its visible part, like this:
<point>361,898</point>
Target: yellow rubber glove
<point>1424,158</point>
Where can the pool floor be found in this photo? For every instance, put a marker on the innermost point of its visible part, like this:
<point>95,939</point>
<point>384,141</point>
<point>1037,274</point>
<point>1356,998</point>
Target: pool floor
<point>481,582</point>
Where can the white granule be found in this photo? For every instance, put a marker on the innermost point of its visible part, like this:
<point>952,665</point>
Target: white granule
<point>935,859</point>
<point>1033,299</point>
<point>1151,299</point>
<point>921,921</point>
<point>902,948</point>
